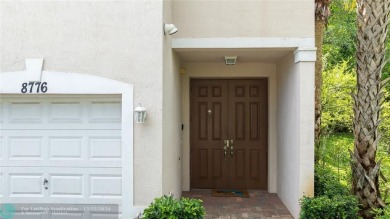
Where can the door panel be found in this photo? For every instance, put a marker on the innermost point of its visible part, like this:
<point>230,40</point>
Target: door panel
<point>217,163</point>
<point>234,110</point>
<point>209,114</point>
<point>248,130</point>
<point>67,185</point>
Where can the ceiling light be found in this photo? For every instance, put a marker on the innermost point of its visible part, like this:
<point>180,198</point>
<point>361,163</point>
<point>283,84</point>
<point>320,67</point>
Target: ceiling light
<point>230,60</point>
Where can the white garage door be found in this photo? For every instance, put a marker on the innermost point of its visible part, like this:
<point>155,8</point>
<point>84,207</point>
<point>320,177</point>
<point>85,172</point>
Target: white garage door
<point>61,149</point>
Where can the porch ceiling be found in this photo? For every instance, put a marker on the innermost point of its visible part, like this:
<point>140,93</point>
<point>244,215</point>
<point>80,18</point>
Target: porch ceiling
<point>244,55</point>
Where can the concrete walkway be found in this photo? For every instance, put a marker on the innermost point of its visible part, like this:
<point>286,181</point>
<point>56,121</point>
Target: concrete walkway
<point>260,204</point>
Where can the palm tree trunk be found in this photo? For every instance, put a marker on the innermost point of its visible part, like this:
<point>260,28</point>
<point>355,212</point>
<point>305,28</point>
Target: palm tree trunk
<point>319,39</point>
<point>321,14</point>
<point>372,20</point>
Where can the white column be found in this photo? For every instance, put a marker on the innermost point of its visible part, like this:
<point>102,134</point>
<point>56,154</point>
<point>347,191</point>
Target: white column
<point>305,61</point>
<point>295,128</point>
<point>306,131</point>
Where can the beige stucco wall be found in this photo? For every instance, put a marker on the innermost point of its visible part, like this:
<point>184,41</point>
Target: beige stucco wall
<point>220,70</point>
<point>295,125</point>
<point>119,40</point>
<point>171,166</point>
<point>244,18</point>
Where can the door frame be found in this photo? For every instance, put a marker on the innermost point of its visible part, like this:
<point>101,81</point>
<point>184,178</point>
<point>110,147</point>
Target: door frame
<point>268,119</point>
<point>77,83</point>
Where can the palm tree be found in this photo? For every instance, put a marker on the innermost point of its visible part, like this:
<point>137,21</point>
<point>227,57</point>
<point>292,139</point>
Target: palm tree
<point>372,20</point>
<point>322,13</point>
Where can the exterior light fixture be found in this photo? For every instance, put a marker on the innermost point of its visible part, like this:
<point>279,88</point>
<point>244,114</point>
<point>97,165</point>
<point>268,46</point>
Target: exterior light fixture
<point>170,29</point>
<point>230,60</point>
<point>140,114</point>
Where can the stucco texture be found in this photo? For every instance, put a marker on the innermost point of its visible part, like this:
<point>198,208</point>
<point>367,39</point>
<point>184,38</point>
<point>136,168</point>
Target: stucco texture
<point>121,40</point>
<point>295,125</point>
<point>244,18</point>
<point>172,142</point>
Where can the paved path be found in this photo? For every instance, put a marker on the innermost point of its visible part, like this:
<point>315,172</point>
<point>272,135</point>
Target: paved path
<point>260,205</point>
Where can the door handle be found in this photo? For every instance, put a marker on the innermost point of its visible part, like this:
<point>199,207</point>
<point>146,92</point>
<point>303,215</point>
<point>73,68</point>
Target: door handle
<point>231,150</point>
<point>45,182</point>
<point>225,148</point>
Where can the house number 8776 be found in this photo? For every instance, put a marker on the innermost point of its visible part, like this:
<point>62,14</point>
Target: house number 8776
<point>34,87</point>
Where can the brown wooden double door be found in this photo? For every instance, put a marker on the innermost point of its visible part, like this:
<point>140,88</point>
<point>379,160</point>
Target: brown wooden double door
<point>229,133</point>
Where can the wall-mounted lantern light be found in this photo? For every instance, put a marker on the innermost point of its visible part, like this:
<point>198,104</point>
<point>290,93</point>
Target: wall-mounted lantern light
<point>140,114</point>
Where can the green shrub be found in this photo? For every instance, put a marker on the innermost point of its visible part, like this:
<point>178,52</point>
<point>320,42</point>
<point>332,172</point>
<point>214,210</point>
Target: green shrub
<point>333,153</point>
<point>331,199</point>
<point>327,184</point>
<point>164,207</point>
<point>339,37</point>
<point>323,207</point>
<point>192,208</point>
<point>167,207</point>
<point>385,116</point>
<point>383,213</point>
<point>336,99</point>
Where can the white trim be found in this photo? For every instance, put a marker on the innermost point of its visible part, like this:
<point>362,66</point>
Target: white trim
<point>305,55</point>
<point>34,67</point>
<point>240,43</point>
<point>75,83</point>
